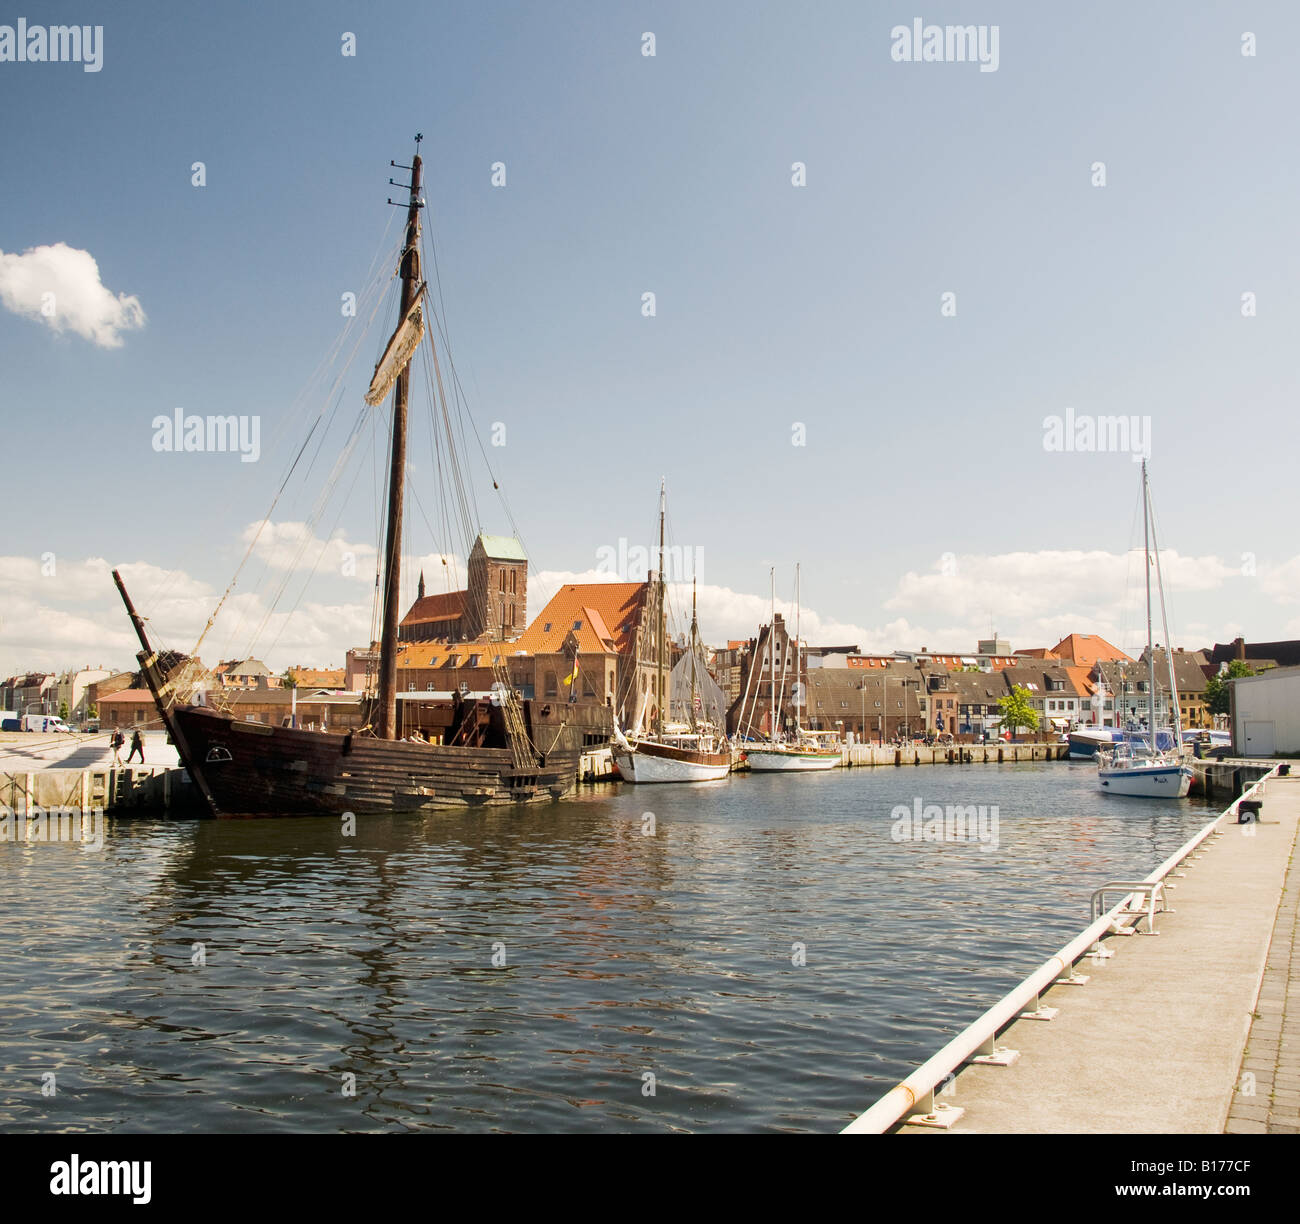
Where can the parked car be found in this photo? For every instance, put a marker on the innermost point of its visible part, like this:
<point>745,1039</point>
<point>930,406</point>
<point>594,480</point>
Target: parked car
<point>10,724</point>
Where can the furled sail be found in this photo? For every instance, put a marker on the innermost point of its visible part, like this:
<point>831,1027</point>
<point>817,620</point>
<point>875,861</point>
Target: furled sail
<point>709,704</point>
<point>403,343</point>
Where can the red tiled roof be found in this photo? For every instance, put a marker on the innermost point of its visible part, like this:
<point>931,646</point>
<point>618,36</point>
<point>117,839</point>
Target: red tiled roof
<point>127,695</point>
<point>424,655</point>
<point>436,608</point>
<point>606,614</point>
<point>1085,649</point>
<point>1081,677</point>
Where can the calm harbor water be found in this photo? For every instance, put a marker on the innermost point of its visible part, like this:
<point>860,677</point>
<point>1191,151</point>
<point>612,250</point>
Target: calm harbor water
<point>625,955</point>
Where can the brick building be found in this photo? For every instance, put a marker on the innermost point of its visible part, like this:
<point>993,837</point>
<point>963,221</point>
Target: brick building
<point>493,606</point>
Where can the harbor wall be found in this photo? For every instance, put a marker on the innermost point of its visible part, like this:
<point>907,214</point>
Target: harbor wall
<point>117,790</point>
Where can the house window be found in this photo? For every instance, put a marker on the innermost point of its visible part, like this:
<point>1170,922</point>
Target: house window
<point>551,689</point>
<point>577,624</point>
<point>547,627</point>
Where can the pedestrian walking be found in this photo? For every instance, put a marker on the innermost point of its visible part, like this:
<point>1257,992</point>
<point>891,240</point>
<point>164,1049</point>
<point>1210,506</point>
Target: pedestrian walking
<point>117,741</point>
<point>137,745</point>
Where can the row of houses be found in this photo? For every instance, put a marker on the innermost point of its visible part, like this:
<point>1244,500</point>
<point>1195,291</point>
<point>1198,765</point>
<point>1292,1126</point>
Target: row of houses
<point>1082,679</point>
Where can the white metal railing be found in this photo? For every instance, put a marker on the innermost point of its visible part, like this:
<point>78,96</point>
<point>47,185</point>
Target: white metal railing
<point>917,1090</point>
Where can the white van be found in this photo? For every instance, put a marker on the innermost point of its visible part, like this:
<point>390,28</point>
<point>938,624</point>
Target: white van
<point>44,722</point>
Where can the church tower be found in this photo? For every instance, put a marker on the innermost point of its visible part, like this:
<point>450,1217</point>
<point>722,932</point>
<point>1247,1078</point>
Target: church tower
<point>496,604</point>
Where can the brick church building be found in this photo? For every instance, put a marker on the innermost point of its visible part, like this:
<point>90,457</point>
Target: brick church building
<point>493,607</point>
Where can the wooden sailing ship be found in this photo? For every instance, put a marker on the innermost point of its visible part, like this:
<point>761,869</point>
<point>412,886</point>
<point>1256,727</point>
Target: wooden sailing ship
<point>487,756</point>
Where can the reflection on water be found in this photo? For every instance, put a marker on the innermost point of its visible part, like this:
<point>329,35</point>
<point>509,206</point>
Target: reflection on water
<point>532,970</point>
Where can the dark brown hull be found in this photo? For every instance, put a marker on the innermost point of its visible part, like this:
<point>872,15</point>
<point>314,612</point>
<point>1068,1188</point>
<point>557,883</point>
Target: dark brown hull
<point>255,770</point>
<point>670,752</point>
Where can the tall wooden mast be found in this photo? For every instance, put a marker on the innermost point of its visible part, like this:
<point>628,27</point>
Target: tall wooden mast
<point>410,274</point>
<point>662,626</point>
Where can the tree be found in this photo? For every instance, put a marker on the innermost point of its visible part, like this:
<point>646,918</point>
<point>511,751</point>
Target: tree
<point>1216,687</point>
<point>1017,712</point>
<point>63,710</point>
<point>290,681</point>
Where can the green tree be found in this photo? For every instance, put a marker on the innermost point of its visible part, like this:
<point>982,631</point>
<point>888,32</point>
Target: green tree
<point>290,681</point>
<point>1017,712</point>
<point>1216,688</point>
<point>63,710</point>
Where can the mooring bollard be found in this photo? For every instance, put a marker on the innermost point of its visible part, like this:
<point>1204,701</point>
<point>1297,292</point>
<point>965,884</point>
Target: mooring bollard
<point>1248,810</point>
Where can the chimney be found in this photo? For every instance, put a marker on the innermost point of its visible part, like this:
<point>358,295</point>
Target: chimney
<point>1240,644</point>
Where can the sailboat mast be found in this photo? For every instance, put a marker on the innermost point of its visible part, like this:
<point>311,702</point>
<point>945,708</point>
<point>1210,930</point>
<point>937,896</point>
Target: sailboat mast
<point>695,634</point>
<point>663,622</point>
<point>410,274</point>
<point>798,651</point>
<point>771,660</point>
<point>1175,714</point>
<point>1151,657</point>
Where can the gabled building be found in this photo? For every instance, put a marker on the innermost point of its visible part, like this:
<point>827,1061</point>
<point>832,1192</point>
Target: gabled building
<point>606,631</point>
<point>1053,692</point>
<point>72,691</point>
<point>244,674</point>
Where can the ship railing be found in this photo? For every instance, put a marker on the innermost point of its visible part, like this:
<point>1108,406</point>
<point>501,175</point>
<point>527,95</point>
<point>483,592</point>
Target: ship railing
<point>913,1101</point>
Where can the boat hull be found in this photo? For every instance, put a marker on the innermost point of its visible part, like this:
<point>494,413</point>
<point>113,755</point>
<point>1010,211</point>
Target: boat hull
<point>1147,782</point>
<point>1085,742</point>
<point>646,762</point>
<point>777,760</point>
<point>252,770</point>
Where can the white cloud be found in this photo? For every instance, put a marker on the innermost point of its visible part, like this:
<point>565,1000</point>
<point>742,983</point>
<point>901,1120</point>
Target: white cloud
<point>59,285</point>
<point>1281,581</point>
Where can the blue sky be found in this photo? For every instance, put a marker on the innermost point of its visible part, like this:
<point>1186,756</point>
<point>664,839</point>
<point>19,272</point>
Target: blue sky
<point>924,506</point>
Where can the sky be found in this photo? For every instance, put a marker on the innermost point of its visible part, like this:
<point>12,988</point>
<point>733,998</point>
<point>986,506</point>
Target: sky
<point>885,291</point>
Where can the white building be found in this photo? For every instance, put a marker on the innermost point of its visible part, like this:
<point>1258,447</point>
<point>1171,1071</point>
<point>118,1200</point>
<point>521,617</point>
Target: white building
<point>1265,712</point>
<point>71,689</point>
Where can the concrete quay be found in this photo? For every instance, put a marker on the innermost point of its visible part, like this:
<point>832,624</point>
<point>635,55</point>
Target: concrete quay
<point>952,754</point>
<point>78,771</point>
<point>1153,1043</point>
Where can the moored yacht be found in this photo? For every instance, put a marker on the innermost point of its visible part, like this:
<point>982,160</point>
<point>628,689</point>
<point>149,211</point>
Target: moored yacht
<point>674,752</point>
<point>1141,767</point>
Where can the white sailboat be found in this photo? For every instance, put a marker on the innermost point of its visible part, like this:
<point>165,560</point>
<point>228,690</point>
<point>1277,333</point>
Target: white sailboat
<point>675,752</point>
<point>806,754</point>
<point>1140,768</point>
